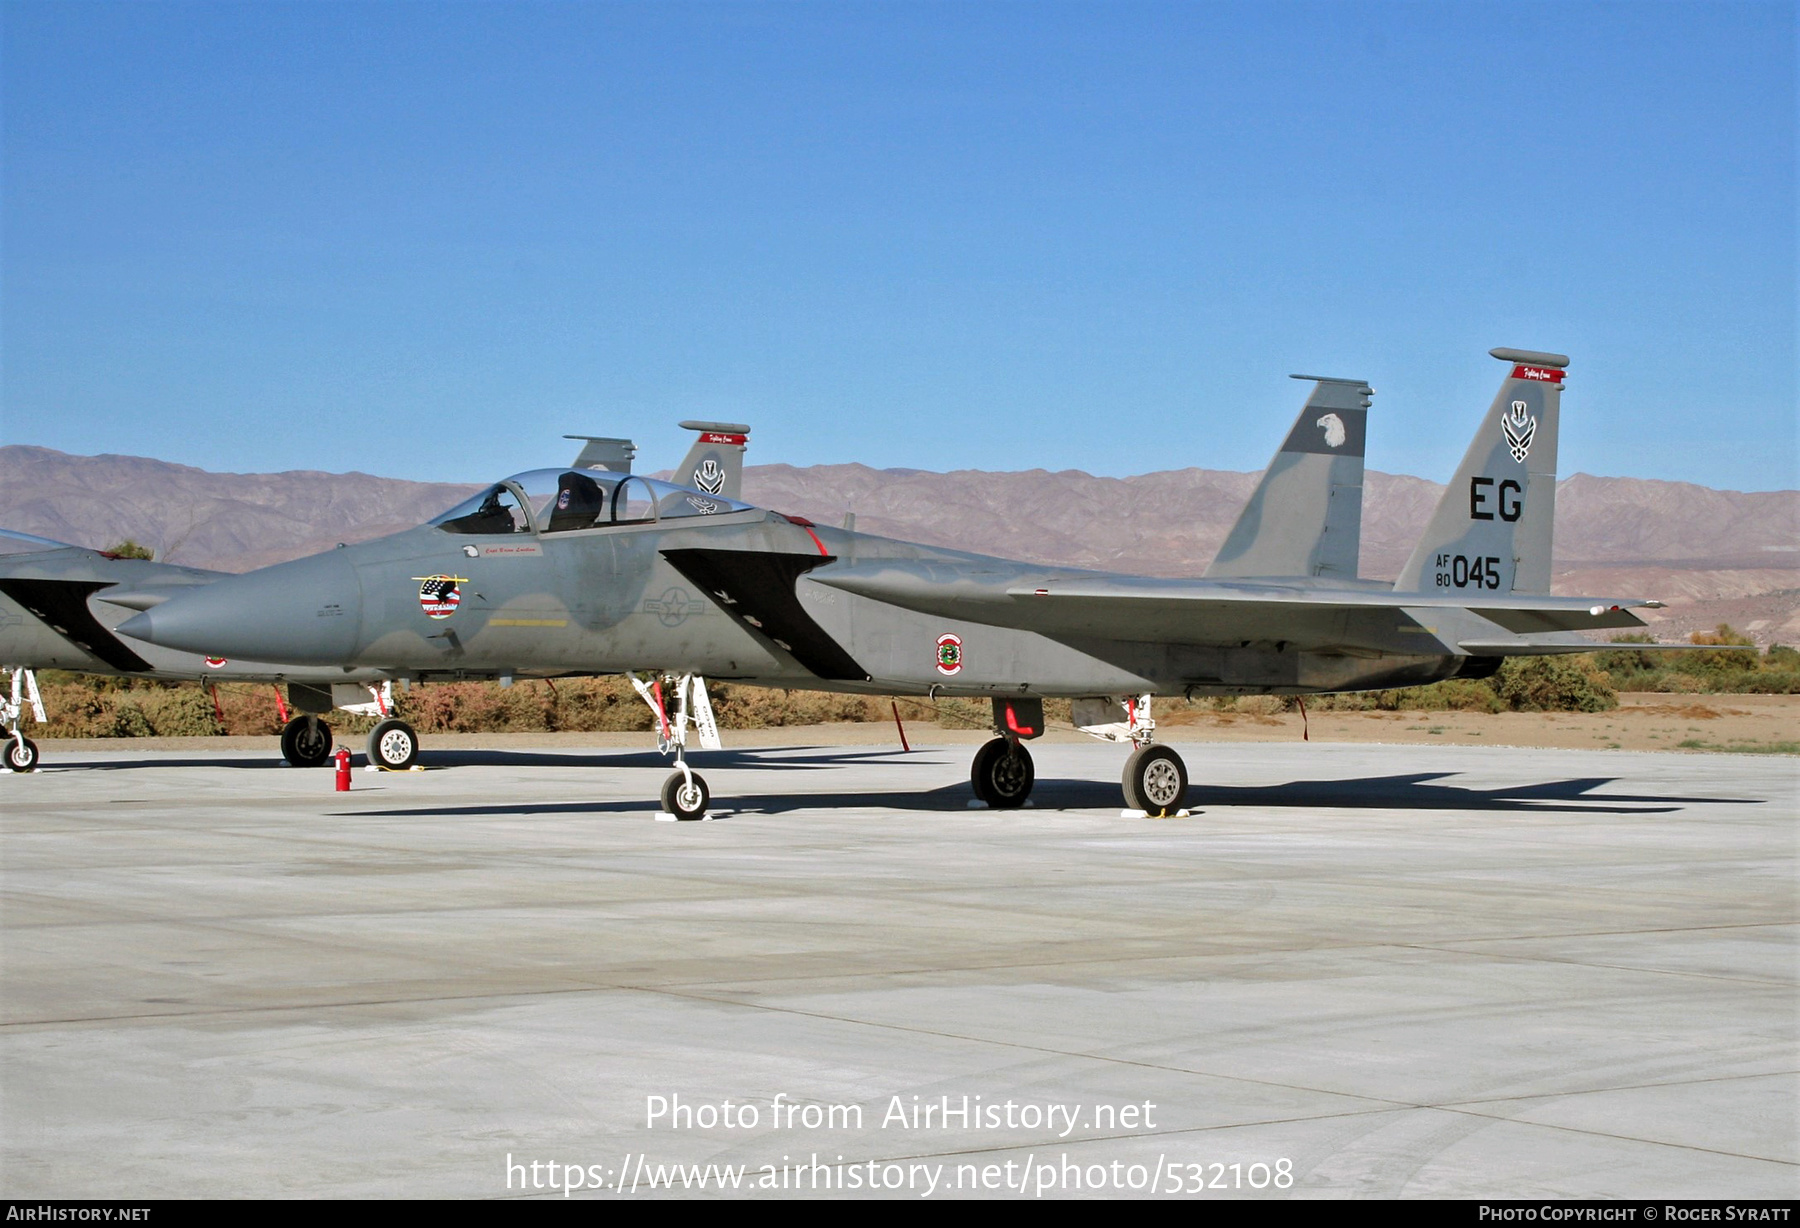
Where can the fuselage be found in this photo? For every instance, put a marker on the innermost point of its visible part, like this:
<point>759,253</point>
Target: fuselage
<point>747,594</point>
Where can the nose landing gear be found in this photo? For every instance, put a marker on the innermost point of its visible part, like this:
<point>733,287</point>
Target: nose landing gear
<point>684,794</point>
<point>21,751</point>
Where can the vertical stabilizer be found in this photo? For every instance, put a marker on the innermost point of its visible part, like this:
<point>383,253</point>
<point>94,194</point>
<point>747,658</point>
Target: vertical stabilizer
<point>1305,516</point>
<point>715,464</point>
<point>1492,530</point>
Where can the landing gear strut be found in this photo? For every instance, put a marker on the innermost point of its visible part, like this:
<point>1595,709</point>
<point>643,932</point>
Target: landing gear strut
<point>21,751</point>
<point>306,741</point>
<point>1155,778</point>
<point>684,794</point>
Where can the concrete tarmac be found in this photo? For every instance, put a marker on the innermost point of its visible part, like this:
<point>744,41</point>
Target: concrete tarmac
<point>1353,971</point>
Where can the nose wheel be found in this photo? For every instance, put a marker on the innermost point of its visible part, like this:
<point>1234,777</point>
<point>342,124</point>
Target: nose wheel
<point>393,745</point>
<point>1003,774</point>
<point>684,795</point>
<point>306,741</point>
<point>1155,781</point>
<point>21,754</point>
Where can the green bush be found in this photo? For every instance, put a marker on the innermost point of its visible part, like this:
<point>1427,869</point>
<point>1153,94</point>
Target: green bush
<point>1554,684</point>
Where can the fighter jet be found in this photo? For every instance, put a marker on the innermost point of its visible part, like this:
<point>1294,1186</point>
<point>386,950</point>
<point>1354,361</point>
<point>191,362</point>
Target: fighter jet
<point>584,571</point>
<point>60,606</point>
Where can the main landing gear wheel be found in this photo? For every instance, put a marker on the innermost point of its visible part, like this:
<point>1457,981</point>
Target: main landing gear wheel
<point>1002,774</point>
<point>1155,781</point>
<point>393,745</point>
<point>21,754</point>
<point>684,795</point>
<point>306,742</point>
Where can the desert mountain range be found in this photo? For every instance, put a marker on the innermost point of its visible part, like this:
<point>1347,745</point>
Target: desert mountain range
<point>1714,555</point>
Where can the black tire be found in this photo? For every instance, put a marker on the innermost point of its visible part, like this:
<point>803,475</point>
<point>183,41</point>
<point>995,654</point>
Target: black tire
<point>1155,781</point>
<point>21,754</point>
<point>306,742</point>
<point>393,745</point>
<point>1003,774</point>
<point>684,801</point>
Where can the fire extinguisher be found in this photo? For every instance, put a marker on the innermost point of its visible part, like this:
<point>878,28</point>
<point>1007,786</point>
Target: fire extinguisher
<point>343,769</point>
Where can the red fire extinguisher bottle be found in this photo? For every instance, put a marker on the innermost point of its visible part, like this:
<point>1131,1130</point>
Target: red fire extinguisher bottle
<point>343,769</point>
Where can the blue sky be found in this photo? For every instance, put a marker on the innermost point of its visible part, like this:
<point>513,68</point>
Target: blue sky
<point>426,240</point>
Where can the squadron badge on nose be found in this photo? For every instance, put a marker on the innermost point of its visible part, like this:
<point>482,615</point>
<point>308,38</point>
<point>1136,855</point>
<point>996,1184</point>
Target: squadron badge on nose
<point>439,596</point>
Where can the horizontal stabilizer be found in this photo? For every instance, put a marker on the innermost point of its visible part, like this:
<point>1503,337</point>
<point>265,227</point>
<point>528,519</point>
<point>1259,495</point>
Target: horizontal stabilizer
<point>598,452</point>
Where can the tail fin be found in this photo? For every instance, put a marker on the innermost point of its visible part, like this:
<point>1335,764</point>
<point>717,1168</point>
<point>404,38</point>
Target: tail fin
<point>612,455</point>
<point>1305,516</point>
<point>715,464</point>
<point>1492,529</point>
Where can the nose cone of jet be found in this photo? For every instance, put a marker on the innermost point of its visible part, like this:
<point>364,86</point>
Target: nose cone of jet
<point>308,612</point>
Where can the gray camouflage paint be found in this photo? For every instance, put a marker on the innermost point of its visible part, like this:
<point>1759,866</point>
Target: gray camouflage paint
<point>1500,508</point>
<point>1305,516</point>
<point>838,610</point>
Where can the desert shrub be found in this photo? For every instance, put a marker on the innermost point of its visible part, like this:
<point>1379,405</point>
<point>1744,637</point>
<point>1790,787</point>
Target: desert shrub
<point>1555,684</point>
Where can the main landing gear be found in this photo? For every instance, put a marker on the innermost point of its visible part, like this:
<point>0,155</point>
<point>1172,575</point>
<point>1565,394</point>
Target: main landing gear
<point>306,741</point>
<point>1002,773</point>
<point>393,745</point>
<point>1155,779</point>
<point>684,794</point>
<point>21,751</point>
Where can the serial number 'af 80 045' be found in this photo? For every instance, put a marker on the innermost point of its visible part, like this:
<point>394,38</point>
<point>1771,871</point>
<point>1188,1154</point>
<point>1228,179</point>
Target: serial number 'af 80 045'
<point>570,571</point>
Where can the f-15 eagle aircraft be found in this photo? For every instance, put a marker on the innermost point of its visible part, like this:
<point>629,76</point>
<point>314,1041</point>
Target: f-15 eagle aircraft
<point>565,571</point>
<point>61,605</point>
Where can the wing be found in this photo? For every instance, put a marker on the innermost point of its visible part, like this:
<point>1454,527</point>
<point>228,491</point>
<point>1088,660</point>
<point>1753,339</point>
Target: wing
<point>1145,609</point>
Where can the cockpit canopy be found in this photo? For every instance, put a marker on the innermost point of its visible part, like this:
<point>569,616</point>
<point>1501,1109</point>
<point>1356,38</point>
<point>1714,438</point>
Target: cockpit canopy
<point>563,500</point>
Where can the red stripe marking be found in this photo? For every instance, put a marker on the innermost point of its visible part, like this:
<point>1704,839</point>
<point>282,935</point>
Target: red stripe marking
<point>1549,375</point>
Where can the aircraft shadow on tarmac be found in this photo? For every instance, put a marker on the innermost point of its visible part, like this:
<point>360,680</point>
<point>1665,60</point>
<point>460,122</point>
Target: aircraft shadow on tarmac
<point>1412,791</point>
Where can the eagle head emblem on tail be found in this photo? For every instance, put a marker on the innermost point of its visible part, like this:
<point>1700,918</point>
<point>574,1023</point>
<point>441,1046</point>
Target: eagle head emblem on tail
<point>1333,426</point>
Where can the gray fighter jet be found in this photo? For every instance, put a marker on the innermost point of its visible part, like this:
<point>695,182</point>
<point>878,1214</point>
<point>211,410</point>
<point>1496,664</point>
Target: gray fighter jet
<point>60,607</point>
<point>584,571</point>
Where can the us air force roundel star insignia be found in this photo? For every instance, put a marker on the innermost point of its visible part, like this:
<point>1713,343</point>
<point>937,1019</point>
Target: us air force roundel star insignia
<point>439,596</point>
